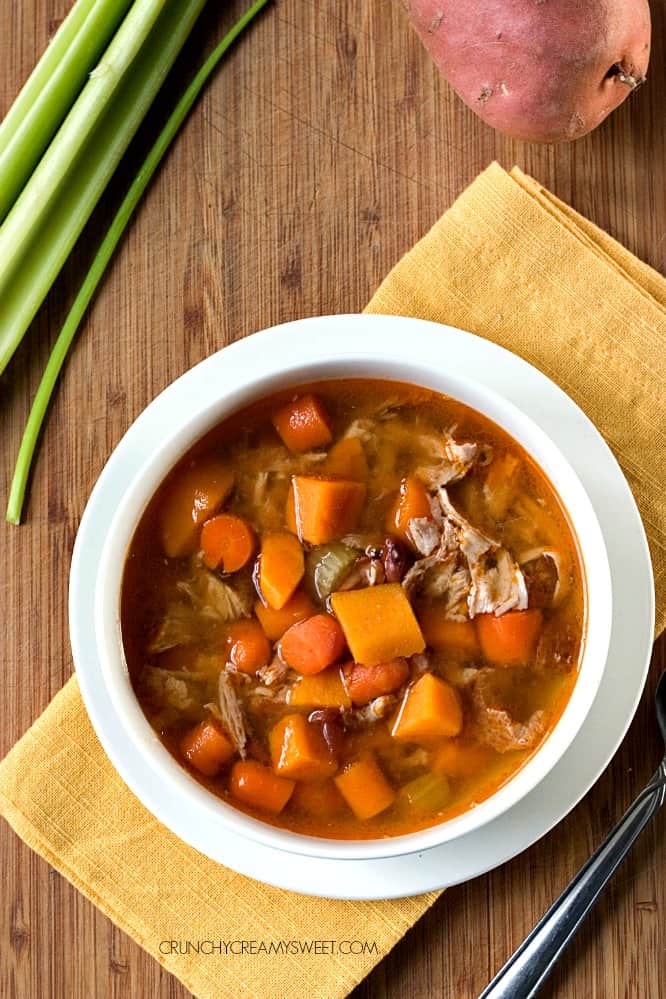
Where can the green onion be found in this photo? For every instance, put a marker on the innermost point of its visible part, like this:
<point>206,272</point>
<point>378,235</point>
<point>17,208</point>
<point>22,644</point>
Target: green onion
<point>42,227</point>
<point>101,261</point>
<point>52,87</point>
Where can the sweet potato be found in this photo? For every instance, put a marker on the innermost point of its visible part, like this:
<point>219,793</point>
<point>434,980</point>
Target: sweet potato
<point>257,786</point>
<point>281,568</point>
<point>303,424</point>
<point>347,460</point>
<point>320,690</point>
<point>365,788</point>
<point>299,751</point>
<point>192,495</point>
<point>324,509</point>
<point>378,623</point>
<point>543,72</point>
<point>275,622</point>
<point>207,747</point>
<point>430,710</point>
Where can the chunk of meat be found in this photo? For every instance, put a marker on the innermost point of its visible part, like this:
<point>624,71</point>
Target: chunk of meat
<point>232,713</point>
<point>494,724</point>
<point>497,584</point>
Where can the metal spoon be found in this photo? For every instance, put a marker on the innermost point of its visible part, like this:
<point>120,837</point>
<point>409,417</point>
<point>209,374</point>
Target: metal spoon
<point>528,968</point>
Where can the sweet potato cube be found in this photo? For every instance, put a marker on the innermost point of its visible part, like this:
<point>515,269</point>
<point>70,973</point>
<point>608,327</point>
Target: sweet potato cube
<point>378,622</point>
<point>322,690</point>
<point>431,709</point>
<point>462,758</point>
<point>257,786</point>
<point>365,788</point>
<point>445,635</point>
<point>192,495</point>
<point>276,622</point>
<point>299,751</point>
<point>303,423</point>
<point>207,747</point>
<point>325,509</point>
<point>281,568</point>
<point>347,460</point>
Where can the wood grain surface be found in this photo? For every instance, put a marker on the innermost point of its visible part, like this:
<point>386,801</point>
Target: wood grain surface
<point>325,146</point>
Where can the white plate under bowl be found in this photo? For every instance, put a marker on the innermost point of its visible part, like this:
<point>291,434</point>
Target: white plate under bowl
<point>466,356</point>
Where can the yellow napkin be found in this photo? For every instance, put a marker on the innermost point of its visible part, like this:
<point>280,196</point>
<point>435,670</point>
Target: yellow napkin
<point>511,263</point>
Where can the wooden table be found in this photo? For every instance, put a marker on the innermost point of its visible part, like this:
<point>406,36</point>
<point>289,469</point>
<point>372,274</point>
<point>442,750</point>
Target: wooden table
<point>326,145</point>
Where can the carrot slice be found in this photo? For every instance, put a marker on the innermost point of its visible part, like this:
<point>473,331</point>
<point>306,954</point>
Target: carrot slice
<point>365,788</point>
<point>256,785</point>
<point>312,645</point>
<point>248,649</point>
<point>412,502</point>
<point>193,495</point>
<point>303,424</point>
<point>275,622</point>
<point>364,683</point>
<point>378,623</point>
<point>445,635</point>
<point>227,542</point>
<point>299,750</point>
<point>207,748</point>
<point>321,690</point>
<point>325,509</point>
<point>430,709</point>
<point>509,639</point>
<point>461,758</point>
<point>347,460</point>
<point>281,568</point>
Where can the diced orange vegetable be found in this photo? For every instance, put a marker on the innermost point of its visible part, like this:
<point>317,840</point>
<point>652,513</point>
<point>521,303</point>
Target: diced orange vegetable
<point>431,709</point>
<point>227,542</point>
<point>445,635</point>
<point>320,799</point>
<point>364,683</point>
<point>365,788</point>
<point>347,460</point>
<point>378,622</point>
<point>281,568</point>
<point>248,649</point>
<point>325,509</point>
<point>257,785</point>
<point>412,502</point>
<point>275,622</point>
<point>290,511</point>
<point>207,747</point>
<point>509,639</point>
<point>193,495</point>
<point>299,750</point>
<point>312,645</point>
<point>323,690</point>
<point>303,424</point>
<point>461,758</point>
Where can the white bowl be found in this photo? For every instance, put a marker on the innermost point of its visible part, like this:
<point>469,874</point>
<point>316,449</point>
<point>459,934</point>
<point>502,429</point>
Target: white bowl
<point>326,348</point>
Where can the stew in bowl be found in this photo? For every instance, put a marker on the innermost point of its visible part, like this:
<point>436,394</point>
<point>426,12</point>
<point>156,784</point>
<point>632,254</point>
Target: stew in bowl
<point>354,609</point>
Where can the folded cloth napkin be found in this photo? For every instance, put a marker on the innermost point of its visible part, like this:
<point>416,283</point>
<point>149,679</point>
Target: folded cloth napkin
<point>511,263</point>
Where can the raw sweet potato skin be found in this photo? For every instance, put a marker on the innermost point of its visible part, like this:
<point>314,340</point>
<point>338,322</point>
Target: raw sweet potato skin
<point>538,70</point>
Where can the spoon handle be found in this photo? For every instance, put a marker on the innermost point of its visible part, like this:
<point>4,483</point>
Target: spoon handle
<point>527,969</point>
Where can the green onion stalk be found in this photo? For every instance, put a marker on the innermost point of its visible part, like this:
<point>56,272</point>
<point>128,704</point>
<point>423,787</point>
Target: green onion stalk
<point>102,258</point>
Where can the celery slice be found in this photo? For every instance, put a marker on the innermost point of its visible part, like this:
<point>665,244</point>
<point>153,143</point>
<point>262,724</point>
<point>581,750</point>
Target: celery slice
<point>102,257</point>
<point>428,793</point>
<point>51,89</point>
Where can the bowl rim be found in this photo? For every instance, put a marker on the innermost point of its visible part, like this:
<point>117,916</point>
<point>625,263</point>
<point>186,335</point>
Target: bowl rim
<point>282,368</point>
